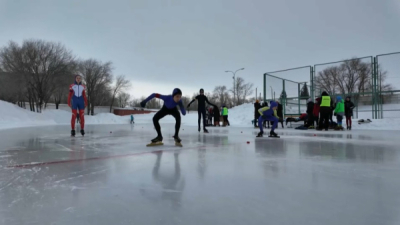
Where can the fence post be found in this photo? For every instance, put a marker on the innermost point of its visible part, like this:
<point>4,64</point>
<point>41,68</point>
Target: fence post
<point>265,87</point>
<point>298,95</point>
<point>312,82</point>
<point>284,98</point>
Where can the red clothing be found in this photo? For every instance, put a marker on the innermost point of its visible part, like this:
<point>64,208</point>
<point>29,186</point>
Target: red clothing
<point>316,107</point>
<point>303,116</point>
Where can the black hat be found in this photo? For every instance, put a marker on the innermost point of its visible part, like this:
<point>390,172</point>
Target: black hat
<point>176,91</point>
<point>201,90</point>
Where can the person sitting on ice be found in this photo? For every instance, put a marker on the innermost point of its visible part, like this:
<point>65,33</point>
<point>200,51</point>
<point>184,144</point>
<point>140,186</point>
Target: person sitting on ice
<point>77,94</point>
<point>268,114</point>
<point>303,117</point>
<point>169,108</point>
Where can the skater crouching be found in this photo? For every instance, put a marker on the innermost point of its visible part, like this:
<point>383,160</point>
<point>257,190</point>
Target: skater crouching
<point>268,114</point>
<point>169,108</point>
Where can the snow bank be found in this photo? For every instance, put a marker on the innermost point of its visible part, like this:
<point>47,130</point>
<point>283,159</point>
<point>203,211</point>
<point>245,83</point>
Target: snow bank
<point>12,116</point>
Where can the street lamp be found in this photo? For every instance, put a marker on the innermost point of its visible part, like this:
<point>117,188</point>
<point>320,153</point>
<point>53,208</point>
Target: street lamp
<point>234,81</point>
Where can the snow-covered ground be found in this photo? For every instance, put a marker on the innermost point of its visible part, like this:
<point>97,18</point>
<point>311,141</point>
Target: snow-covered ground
<point>12,116</point>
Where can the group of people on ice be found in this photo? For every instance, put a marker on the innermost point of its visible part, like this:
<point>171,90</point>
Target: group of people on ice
<point>319,112</point>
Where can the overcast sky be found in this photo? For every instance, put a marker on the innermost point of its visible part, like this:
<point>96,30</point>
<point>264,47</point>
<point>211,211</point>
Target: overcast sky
<point>189,44</point>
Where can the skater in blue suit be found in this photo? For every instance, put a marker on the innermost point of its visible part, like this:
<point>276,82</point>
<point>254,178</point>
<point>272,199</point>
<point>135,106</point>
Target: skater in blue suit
<point>169,108</point>
<point>268,114</point>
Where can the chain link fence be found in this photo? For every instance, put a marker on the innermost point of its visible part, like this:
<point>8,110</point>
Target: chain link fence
<point>373,84</point>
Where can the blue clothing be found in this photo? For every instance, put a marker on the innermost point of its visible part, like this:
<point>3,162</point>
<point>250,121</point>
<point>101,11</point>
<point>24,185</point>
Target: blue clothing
<point>131,117</point>
<point>78,103</point>
<point>169,102</point>
<point>268,118</point>
<point>77,95</point>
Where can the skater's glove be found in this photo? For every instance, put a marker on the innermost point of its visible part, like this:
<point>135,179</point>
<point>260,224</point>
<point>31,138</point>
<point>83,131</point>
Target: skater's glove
<point>335,114</point>
<point>188,106</point>
<point>143,104</point>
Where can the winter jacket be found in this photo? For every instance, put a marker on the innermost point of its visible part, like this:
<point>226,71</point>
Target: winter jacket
<point>257,106</point>
<point>339,110</point>
<point>303,116</point>
<point>325,100</point>
<point>280,111</point>
<point>310,107</point>
<point>267,111</point>
<point>224,111</point>
<point>316,107</point>
<point>216,113</point>
<point>348,108</point>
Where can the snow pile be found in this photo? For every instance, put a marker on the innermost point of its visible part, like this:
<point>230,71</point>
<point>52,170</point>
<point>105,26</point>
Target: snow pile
<point>12,116</point>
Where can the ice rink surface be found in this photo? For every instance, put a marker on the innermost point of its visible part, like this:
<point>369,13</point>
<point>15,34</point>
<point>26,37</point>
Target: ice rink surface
<point>47,177</point>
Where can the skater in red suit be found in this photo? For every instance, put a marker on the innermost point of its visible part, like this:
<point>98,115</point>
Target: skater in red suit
<point>77,93</point>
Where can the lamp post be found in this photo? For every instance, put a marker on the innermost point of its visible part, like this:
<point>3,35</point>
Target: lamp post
<point>234,81</point>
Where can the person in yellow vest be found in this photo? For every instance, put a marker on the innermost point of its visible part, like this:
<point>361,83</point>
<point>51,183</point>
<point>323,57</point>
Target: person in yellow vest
<point>225,115</point>
<point>324,111</point>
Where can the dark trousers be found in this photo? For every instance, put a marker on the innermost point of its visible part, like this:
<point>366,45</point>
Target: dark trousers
<point>226,121</point>
<point>202,112</point>
<point>316,119</point>
<point>256,119</point>
<point>310,121</point>
<point>348,121</point>
<point>163,112</point>
<point>324,117</point>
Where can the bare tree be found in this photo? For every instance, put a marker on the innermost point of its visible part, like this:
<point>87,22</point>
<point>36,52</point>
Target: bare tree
<point>98,77</point>
<point>352,76</point>
<point>221,95</point>
<point>120,85</point>
<point>242,90</point>
<point>123,99</point>
<point>41,63</point>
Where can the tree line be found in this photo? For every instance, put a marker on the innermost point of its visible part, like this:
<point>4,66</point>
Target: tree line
<point>39,72</point>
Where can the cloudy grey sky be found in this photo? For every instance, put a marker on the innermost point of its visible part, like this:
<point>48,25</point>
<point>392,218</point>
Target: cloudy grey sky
<point>163,44</point>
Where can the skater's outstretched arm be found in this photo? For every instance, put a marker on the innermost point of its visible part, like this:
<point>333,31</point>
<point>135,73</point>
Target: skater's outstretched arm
<point>207,100</point>
<point>182,108</point>
<point>154,95</point>
<point>191,102</point>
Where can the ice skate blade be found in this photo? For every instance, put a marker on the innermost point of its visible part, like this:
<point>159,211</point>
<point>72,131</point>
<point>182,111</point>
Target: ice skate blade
<point>155,144</point>
<point>274,136</point>
<point>178,144</point>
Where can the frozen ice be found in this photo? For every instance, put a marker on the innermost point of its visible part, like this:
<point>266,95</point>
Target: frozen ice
<point>336,177</point>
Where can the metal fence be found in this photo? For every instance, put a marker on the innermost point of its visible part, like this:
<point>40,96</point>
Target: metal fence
<point>375,92</point>
<point>288,92</point>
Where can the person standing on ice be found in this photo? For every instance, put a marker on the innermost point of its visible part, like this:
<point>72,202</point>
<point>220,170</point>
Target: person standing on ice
<point>325,110</point>
<point>201,100</point>
<point>225,116</point>
<point>257,106</point>
<point>316,111</point>
<point>77,93</point>
<point>169,108</point>
<point>339,112</point>
<point>348,109</point>
<point>268,114</point>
